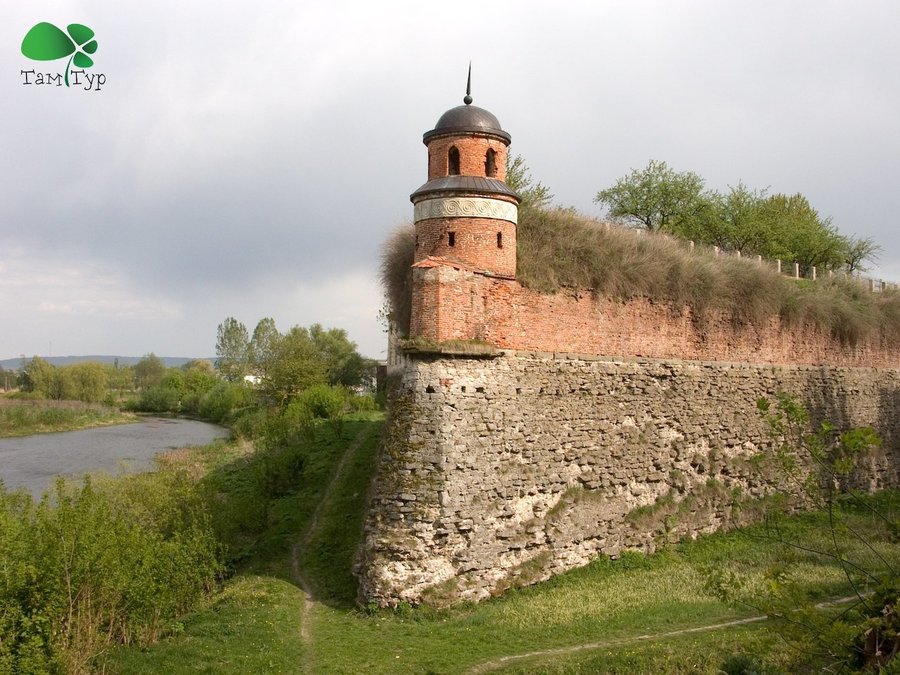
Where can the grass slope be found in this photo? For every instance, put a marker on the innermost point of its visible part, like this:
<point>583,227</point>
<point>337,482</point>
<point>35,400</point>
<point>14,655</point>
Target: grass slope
<point>254,626</point>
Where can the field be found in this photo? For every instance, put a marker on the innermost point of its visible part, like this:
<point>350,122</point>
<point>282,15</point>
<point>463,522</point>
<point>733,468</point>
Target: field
<point>290,605</point>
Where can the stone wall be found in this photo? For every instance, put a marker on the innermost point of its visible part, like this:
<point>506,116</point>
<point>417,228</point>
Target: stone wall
<point>500,472</point>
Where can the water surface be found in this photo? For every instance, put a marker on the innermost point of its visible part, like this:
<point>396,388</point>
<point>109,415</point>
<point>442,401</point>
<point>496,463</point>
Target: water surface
<point>33,462</point>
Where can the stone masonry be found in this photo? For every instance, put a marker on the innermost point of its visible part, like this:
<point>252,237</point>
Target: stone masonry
<point>504,471</point>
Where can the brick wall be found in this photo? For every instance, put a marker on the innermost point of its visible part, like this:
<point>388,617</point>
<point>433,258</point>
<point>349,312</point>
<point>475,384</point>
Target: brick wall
<point>475,242</point>
<point>463,305</point>
<point>472,151</point>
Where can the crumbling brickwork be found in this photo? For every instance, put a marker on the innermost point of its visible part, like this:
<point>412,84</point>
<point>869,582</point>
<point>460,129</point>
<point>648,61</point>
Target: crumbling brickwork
<point>458,304</point>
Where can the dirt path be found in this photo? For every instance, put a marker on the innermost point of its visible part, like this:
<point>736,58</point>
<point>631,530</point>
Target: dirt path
<point>502,661</point>
<point>309,600</point>
<point>561,651</point>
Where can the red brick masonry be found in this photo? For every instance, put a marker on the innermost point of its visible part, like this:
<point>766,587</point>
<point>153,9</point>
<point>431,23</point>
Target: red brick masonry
<point>458,304</point>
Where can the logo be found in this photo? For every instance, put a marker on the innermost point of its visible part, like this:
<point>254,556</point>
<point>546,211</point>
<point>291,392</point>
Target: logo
<point>46,42</point>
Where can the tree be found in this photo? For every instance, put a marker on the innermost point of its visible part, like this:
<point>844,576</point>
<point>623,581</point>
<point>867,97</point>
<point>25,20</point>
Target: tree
<point>261,350</point>
<point>518,177</point>
<point>738,221</point>
<point>657,198</point>
<point>89,381</point>
<point>296,365</point>
<point>149,371</point>
<point>858,251</point>
<point>35,376</point>
<point>797,233</point>
<point>231,348</point>
<point>343,364</point>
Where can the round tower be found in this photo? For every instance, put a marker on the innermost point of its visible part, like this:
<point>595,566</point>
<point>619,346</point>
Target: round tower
<point>466,213</point>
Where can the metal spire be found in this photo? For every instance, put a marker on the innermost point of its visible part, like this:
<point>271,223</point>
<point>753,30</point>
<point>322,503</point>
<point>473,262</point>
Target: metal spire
<point>468,99</point>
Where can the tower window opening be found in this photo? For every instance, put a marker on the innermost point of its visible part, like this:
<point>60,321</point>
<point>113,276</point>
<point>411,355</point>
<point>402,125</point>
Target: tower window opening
<point>451,238</point>
<point>453,161</point>
<point>499,240</point>
<point>417,241</point>
<point>490,163</point>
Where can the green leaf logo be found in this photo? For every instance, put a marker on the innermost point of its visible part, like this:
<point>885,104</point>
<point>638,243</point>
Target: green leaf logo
<point>46,42</point>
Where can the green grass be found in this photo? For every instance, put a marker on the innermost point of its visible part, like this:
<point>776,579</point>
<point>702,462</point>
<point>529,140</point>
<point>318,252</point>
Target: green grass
<point>254,626</point>
<point>23,418</point>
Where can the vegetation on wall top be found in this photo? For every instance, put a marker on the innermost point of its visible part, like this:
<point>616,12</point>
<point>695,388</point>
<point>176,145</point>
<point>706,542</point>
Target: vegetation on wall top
<point>560,248</point>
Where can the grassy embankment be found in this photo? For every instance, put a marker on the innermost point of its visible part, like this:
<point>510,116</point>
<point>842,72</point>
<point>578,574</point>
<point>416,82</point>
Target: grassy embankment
<point>257,624</point>
<point>559,248</point>
<point>23,418</point>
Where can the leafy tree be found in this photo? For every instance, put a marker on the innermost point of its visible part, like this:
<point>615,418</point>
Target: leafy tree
<point>201,365</point>
<point>35,376</point>
<point>119,377</point>
<point>297,364</point>
<point>531,193</point>
<point>738,224</point>
<point>657,198</point>
<point>799,234</point>
<point>89,381</point>
<point>262,346</point>
<point>231,348</point>
<point>149,371</point>
<point>343,364</point>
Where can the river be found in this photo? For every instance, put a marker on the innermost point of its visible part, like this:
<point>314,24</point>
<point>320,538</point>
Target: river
<point>33,462</point>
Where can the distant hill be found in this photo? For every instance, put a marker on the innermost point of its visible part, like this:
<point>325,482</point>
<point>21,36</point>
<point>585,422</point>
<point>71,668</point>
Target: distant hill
<point>170,361</point>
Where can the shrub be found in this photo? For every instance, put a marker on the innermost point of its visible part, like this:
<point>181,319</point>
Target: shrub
<point>95,564</point>
<point>223,400</point>
<point>159,399</point>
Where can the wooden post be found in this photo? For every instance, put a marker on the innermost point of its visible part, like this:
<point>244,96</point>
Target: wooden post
<point>796,270</point>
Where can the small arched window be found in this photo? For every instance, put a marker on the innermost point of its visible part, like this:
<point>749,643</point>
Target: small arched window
<point>453,161</point>
<point>490,163</point>
<point>499,240</point>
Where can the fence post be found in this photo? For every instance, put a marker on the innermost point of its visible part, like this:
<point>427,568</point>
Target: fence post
<point>778,265</point>
<point>796,270</point>
<point>814,273</point>
<point>691,246</point>
<point>759,260</point>
<point>872,285</point>
<point>716,250</point>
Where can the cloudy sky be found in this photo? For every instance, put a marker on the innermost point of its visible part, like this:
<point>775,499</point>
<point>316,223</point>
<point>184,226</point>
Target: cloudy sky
<point>247,159</point>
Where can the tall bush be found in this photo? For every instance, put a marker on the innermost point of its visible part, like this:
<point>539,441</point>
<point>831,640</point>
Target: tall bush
<point>99,564</point>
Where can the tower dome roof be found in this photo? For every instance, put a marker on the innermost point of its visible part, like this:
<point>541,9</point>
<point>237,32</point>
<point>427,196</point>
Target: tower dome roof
<point>467,119</point>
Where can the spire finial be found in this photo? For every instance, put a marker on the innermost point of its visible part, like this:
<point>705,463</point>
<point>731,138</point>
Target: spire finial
<point>468,99</point>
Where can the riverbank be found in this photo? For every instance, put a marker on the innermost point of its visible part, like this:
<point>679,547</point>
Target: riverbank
<point>24,418</point>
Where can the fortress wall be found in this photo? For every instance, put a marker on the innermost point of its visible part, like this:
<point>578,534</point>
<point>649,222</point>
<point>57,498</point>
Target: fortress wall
<point>463,305</point>
<point>506,471</point>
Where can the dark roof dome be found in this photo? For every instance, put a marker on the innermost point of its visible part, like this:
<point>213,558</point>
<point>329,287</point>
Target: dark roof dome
<point>467,119</point>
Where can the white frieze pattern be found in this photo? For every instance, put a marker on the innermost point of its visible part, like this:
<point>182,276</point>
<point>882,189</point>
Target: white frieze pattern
<point>466,207</point>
